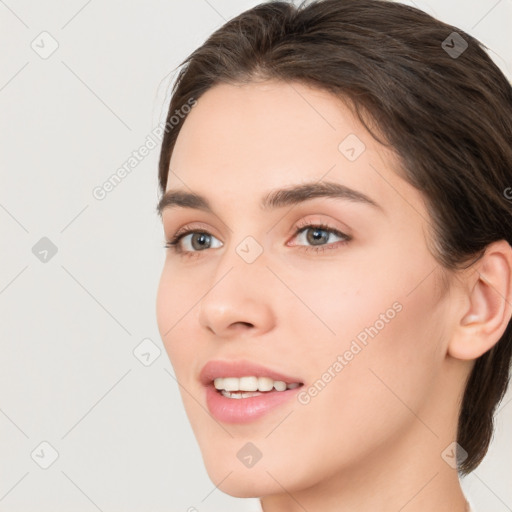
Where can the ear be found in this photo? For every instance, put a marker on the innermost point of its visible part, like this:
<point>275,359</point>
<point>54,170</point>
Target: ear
<point>487,303</point>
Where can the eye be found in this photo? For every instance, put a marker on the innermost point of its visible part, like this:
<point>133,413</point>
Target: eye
<point>318,235</point>
<point>190,241</point>
<point>197,241</point>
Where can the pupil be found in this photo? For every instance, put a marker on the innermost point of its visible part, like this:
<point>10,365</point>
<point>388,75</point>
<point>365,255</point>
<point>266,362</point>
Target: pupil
<point>200,238</point>
<point>317,235</point>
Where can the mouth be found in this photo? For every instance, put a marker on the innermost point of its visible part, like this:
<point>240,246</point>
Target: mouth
<point>242,391</point>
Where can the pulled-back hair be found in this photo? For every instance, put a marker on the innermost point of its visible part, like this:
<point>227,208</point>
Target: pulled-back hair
<point>444,108</point>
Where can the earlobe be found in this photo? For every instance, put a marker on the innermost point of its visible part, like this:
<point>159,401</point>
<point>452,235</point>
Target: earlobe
<point>489,292</point>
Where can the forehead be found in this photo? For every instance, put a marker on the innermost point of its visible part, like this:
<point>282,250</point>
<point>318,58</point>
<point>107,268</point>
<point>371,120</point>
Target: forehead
<point>241,139</point>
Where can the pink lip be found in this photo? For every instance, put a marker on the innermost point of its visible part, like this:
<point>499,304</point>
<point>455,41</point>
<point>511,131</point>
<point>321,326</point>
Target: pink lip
<point>243,410</point>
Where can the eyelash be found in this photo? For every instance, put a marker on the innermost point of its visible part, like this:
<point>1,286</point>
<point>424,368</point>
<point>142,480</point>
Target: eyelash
<point>174,243</point>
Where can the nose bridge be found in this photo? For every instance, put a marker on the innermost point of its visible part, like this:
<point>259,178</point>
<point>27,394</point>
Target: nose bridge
<point>244,254</point>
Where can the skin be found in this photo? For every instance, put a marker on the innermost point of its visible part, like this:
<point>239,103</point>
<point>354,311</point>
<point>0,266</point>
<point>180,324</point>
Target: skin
<point>372,439</point>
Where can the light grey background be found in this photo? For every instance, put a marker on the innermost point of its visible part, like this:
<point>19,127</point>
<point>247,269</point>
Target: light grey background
<point>69,326</point>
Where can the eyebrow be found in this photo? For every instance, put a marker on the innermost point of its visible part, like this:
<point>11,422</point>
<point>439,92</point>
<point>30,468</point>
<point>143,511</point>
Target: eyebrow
<point>274,199</point>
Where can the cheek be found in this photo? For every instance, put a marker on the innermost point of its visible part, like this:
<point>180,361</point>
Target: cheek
<point>380,293</point>
<point>384,352</point>
<point>174,307</point>
<point>378,383</point>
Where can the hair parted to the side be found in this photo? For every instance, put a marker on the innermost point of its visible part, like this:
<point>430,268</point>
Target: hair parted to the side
<point>448,119</point>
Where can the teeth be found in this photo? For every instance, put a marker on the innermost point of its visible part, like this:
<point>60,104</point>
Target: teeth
<point>266,384</point>
<point>279,385</point>
<point>248,383</point>
<point>251,384</point>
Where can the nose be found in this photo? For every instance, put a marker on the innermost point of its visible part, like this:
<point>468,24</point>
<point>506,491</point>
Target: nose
<point>237,302</point>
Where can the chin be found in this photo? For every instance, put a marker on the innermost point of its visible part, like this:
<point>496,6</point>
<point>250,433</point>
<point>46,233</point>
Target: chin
<point>265,478</point>
<point>243,483</point>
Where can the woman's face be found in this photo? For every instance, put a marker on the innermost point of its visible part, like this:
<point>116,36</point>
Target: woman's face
<point>354,317</point>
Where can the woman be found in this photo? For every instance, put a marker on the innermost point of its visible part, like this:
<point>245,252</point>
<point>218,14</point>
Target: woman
<point>337,291</point>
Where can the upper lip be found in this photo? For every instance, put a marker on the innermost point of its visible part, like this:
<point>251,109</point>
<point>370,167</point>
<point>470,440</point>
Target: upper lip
<point>240,368</point>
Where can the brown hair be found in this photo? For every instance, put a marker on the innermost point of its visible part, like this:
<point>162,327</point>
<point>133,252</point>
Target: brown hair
<point>444,108</point>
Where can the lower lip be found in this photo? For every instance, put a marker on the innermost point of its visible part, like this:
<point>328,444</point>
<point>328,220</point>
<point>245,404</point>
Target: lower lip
<point>245,410</point>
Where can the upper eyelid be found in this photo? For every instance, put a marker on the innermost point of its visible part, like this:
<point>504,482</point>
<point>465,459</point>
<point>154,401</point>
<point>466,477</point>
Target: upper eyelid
<point>302,224</point>
<point>192,226</point>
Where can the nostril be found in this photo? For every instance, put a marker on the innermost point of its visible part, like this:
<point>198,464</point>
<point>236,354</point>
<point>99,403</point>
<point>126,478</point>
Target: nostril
<point>243,324</point>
